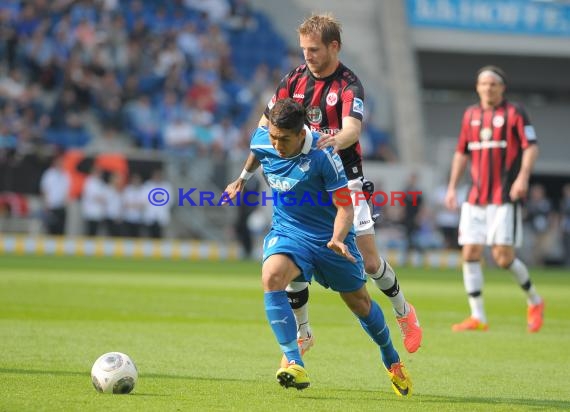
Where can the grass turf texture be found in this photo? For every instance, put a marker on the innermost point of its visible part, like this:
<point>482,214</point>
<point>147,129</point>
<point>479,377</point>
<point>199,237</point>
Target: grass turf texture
<point>198,334</point>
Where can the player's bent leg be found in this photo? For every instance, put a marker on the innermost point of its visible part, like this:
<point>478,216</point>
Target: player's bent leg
<point>367,246</point>
<point>298,294</point>
<point>505,258</point>
<point>278,270</point>
<point>385,279</point>
<point>373,322</point>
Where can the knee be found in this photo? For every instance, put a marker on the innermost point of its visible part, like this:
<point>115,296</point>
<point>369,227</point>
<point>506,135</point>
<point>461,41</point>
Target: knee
<point>503,260</point>
<point>503,256</point>
<point>471,255</point>
<point>273,280</point>
<point>371,265</point>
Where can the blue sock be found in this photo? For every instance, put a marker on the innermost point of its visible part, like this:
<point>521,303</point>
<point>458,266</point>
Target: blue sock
<point>282,321</point>
<point>375,325</point>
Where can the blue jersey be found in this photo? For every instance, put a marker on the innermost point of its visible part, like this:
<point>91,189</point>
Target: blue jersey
<point>301,186</point>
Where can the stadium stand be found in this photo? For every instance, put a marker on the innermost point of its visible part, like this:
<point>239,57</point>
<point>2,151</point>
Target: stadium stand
<point>179,84</point>
<point>71,68</point>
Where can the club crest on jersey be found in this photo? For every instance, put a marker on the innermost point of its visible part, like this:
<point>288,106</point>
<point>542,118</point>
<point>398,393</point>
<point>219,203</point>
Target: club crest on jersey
<point>486,133</point>
<point>358,106</point>
<point>498,121</point>
<point>332,98</point>
<point>314,114</point>
<point>305,165</point>
<point>280,183</point>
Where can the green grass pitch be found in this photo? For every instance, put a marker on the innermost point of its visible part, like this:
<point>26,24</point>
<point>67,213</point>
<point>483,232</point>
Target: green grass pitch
<point>198,334</point>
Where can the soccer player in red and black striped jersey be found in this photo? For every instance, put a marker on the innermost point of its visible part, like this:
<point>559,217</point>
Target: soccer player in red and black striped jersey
<point>334,101</point>
<point>499,140</point>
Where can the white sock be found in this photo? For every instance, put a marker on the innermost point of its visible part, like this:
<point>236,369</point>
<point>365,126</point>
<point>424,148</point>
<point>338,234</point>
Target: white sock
<point>519,269</point>
<point>385,280</point>
<point>302,313</point>
<point>473,282</point>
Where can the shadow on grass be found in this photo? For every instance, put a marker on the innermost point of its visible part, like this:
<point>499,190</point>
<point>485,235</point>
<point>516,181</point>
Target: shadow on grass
<point>511,402</point>
<point>359,394</point>
<point>146,375</point>
<point>366,394</point>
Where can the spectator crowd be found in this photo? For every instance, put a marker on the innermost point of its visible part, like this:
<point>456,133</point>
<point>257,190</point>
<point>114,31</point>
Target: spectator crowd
<point>158,73</point>
<point>188,78</point>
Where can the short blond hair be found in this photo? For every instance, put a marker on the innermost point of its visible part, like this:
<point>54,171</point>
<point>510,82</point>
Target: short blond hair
<point>325,25</point>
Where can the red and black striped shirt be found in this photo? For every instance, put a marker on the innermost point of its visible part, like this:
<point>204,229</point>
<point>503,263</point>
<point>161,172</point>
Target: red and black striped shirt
<point>495,139</point>
<point>327,101</point>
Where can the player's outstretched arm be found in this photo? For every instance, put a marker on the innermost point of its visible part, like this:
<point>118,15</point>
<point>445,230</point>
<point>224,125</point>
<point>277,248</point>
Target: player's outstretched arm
<point>251,165</point>
<point>342,223</point>
<point>350,133</point>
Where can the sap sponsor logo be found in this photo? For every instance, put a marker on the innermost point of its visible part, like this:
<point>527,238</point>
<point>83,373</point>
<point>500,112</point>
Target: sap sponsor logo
<point>284,184</point>
<point>358,105</point>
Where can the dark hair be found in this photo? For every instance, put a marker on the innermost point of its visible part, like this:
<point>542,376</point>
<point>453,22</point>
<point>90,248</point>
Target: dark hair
<point>287,114</point>
<point>325,25</point>
<point>495,69</point>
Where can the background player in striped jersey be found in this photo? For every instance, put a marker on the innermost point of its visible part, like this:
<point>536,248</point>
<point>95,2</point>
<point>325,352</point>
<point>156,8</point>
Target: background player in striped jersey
<point>334,101</point>
<point>500,141</point>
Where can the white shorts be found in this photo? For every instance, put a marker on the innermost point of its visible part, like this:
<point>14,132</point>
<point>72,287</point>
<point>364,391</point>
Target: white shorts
<point>491,225</point>
<point>363,223</point>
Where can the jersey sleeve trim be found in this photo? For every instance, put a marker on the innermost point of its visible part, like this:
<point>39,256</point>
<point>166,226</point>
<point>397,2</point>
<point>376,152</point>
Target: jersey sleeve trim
<point>333,165</point>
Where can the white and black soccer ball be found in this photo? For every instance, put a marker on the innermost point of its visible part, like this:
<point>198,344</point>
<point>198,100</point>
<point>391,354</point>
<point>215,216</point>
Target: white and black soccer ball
<point>114,372</point>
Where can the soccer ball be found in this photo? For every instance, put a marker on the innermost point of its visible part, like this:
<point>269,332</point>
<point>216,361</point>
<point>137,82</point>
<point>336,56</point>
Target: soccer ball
<point>114,372</point>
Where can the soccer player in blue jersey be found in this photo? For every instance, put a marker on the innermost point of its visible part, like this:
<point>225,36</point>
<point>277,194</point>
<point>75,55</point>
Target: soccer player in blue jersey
<point>333,98</point>
<point>312,239</point>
